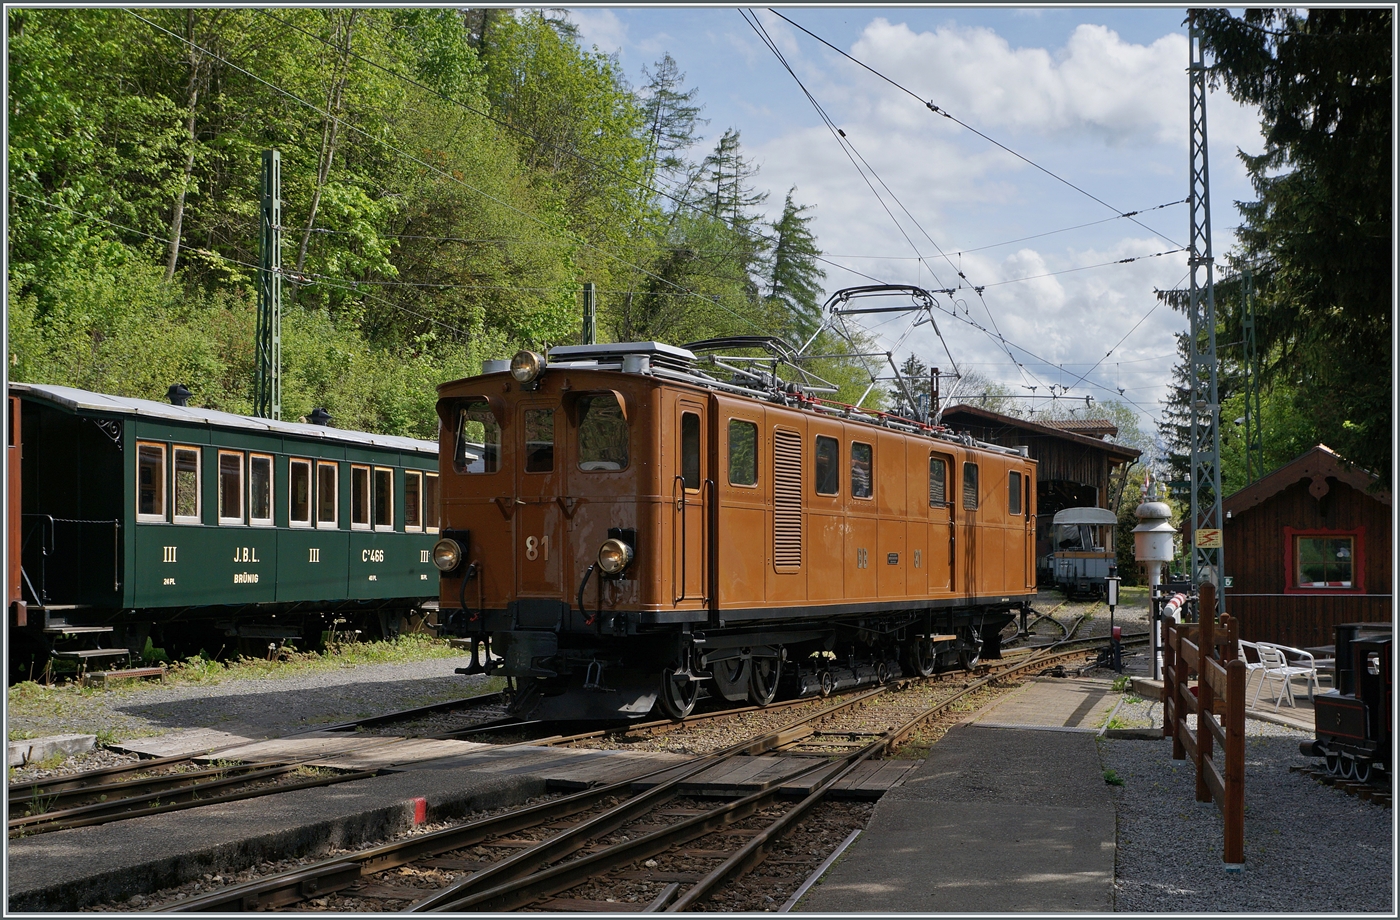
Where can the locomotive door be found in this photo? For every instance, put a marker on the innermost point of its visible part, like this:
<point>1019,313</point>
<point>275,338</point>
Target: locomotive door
<point>691,494</point>
<point>1029,547</point>
<point>538,519</point>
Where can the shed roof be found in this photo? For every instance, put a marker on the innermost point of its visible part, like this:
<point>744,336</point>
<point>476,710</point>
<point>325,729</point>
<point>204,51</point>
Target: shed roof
<point>962,415</point>
<point>1085,516</point>
<point>75,400</point>
<point>1318,464</point>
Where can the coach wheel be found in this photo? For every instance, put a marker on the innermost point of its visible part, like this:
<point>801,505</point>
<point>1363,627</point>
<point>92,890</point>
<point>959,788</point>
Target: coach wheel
<point>827,683</point>
<point>923,660</point>
<point>763,681</point>
<point>1362,770</point>
<point>882,673</point>
<point>968,658</point>
<point>1334,764</point>
<point>678,694</point>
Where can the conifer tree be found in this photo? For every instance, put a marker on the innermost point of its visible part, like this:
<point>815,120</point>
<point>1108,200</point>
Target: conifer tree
<point>795,281</point>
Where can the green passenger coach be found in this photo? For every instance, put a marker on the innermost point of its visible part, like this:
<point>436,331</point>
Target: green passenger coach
<point>204,529</point>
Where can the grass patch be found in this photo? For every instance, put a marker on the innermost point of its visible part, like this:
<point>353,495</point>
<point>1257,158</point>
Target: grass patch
<point>1112,778</point>
<point>202,669</point>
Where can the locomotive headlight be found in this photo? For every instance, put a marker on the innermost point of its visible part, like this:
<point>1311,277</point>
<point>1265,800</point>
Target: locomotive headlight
<point>447,555</point>
<point>614,556</point>
<point>526,366</point>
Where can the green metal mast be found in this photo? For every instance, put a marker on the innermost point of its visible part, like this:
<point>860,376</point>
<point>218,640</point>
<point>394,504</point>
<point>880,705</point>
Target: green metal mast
<point>1208,552</point>
<point>267,389</point>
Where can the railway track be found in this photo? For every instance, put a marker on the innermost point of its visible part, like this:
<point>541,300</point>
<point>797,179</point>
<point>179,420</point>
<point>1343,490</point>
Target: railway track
<point>565,854</point>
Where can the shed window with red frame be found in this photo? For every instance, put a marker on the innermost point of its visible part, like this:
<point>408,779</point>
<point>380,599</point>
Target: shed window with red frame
<point>1328,560</point>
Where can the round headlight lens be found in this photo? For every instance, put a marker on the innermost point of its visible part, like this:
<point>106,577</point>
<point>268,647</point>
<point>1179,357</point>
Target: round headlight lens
<point>447,554</point>
<point>526,366</point>
<point>614,556</point>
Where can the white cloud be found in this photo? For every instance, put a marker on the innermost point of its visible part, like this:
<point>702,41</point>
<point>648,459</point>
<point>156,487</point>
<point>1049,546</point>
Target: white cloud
<point>600,28</point>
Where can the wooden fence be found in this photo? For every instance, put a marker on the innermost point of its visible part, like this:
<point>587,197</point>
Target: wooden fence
<point>1210,652</point>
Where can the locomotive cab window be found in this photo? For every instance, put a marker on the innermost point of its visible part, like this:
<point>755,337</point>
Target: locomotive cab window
<point>1013,496</point>
<point>690,450</point>
<point>430,503</point>
<point>602,433</point>
<point>969,487</point>
<point>299,493</point>
<point>359,498</point>
<point>150,482</point>
<point>826,470</point>
<point>260,489</point>
<point>539,440</point>
<point>478,447</point>
<point>937,482</point>
<point>327,496</point>
<point>186,497</point>
<point>412,501</point>
<point>743,453</point>
<point>230,487</point>
<point>862,472</point>
<point>383,498</point>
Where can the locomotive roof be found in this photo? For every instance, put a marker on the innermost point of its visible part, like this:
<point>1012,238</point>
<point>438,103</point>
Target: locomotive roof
<point>76,400</point>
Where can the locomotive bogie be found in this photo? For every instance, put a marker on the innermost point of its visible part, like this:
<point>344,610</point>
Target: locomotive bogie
<point>746,535</point>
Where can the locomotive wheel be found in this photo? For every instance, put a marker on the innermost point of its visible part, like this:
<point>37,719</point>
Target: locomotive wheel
<point>732,678</point>
<point>968,659</point>
<point>923,660</point>
<point>1348,767</point>
<point>882,673</point>
<point>1334,764</point>
<point>763,681</point>
<point>827,683</point>
<point>678,695</point>
<point>1362,770</point>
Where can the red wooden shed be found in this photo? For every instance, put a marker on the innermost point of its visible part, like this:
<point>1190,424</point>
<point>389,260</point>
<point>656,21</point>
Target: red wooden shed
<point>1307,547</point>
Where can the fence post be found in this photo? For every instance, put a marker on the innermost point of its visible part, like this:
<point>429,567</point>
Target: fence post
<point>1235,674</point>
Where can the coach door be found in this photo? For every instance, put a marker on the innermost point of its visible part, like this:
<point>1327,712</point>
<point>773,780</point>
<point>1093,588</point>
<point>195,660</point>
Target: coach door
<point>537,517</point>
<point>691,493</point>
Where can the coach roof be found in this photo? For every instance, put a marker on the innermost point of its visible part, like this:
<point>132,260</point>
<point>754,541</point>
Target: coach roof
<point>75,400</point>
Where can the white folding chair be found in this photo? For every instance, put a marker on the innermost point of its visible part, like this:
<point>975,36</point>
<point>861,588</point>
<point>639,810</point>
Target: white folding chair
<point>1276,667</point>
<point>1297,658</point>
<point>1249,654</point>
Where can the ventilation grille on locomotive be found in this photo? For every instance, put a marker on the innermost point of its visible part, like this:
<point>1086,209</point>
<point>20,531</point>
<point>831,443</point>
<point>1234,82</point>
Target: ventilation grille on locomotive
<point>787,498</point>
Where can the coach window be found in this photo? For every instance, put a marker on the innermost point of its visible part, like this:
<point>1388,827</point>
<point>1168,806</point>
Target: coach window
<point>383,498</point>
<point>359,498</point>
<point>743,453</point>
<point>602,433</point>
<point>478,448</point>
<point>1013,504</point>
<point>539,440</point>
<point>827,470</point>
<point>230,487</point>
<point>260,489</point>
<point>862,480</point>
<point>299,493</point>
<point>937,482</point>
<point>186,497</point>
<point>150,482</point>
<point>412,500</point>
<point>327,496</point>
<point>430,503</point>
<point>690,450</point>
<point>969,489</point>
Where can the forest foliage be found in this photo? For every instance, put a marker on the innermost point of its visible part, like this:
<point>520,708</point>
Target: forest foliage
<point>450,179</point>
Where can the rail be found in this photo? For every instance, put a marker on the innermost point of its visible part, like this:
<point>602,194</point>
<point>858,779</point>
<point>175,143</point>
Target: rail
<point>1212,654</point>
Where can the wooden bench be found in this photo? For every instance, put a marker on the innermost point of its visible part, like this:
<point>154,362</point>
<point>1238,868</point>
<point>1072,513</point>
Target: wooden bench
<point>95,677</point>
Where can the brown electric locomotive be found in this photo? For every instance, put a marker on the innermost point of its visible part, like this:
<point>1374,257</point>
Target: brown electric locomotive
<point>622,529</point>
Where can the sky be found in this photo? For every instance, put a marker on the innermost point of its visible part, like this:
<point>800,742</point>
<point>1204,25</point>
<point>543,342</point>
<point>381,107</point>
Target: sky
<point>1094,101</point>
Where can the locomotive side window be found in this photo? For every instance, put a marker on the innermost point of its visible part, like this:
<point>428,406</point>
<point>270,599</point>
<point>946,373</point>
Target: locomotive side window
<point>186,485</point>
<point>383,498</point>
<point>299,493</point>
<point>230,487</point>
<point>743,453</point>
<point>412,500</point>
<point>359,498</point>
<point>476,425</point>
<point>827,472</point>
<point>539,440</point>
<point>150,482</point>
<point>969,502</point>
<point>430,503</point>
<point>260,489</point>
<point>327,496</point>
<point>862,479</point>
<point>1013,493</point>
<point>690,450</point>
<point>937,482</point>
<point>602,434</point>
